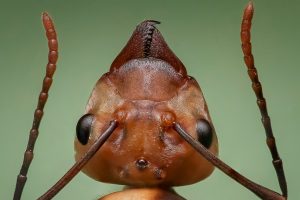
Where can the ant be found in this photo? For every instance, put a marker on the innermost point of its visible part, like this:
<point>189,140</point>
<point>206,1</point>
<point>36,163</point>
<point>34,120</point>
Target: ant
<point>147,125</point>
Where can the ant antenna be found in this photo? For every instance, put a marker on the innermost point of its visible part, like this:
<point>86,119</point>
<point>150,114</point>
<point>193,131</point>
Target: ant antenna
<point>38,114</point>
<point>261,102</point>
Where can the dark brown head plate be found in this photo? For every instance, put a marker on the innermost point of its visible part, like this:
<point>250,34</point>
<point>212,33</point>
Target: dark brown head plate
<point>146,41</point>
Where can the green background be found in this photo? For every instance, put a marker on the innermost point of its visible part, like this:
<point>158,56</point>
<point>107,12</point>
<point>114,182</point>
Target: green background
<point>203,34</point>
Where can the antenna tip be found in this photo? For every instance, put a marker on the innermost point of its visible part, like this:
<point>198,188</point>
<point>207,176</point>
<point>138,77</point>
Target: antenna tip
<point>248,12</point>
<point>47,21</point>
<point>249,6</point>
<point>45,15</point>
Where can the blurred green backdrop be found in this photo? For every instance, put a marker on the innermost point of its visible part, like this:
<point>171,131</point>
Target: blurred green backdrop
<point>203,34</point>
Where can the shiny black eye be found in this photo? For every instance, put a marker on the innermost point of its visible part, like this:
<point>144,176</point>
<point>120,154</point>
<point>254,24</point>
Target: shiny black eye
<point>204,132</point>
<point>83,128</point>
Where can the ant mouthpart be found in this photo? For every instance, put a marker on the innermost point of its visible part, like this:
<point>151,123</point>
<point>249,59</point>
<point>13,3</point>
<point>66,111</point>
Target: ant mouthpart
<point>141,163</point>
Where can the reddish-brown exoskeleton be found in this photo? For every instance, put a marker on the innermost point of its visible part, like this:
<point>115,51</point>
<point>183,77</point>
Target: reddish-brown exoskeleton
<point>151,121</point>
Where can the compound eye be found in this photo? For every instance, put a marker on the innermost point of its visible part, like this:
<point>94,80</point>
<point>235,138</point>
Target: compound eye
<point>83,128</point>
<point>204,132</point>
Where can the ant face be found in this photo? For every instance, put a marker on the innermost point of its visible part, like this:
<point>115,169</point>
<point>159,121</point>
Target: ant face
<point>146,95</point>
<point>145,149</point>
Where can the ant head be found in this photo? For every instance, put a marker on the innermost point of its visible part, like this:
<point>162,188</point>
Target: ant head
<point>146,91</point>
<point>145,149</point>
